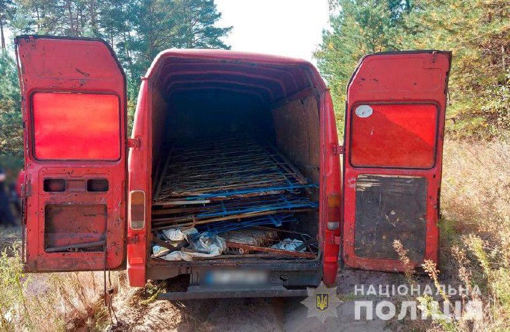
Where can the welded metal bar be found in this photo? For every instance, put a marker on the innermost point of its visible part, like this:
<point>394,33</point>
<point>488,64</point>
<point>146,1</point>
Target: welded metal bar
<point>237,207</point>
<point>76,246</point>
<point>281,252</point>
<point>226,226</point>
<point>174,224</point>
<point>236,166</point>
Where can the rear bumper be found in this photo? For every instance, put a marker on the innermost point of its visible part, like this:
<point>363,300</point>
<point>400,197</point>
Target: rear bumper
<point>285,278</point>
<point>196,293</point>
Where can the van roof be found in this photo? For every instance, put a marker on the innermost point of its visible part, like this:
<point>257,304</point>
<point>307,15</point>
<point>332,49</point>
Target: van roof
<point>270,77</point>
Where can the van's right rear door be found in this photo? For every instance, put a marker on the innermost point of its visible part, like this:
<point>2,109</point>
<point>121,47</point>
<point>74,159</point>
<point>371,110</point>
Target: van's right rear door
<point>392,165</point>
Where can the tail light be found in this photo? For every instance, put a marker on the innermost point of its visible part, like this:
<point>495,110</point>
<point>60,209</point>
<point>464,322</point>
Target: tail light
<point>333,212</point>
<point>137,209</point>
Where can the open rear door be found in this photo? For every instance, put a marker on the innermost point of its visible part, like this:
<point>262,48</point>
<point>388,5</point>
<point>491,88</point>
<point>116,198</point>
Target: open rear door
<point>74,112</point>
<point>392,167</point>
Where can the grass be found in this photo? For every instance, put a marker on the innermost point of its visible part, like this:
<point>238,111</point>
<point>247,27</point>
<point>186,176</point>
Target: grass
<point>51,301</point>
<point>63,301</point>
<point>475,234</point>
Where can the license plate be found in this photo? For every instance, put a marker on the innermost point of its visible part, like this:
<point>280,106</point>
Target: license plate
<point>237,277</point>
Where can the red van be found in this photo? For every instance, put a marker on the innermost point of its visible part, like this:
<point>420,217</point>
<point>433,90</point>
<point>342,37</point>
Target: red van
<point>89,188</point>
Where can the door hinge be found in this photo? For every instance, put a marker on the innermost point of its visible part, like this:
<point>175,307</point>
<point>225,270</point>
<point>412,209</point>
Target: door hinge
<point>26,189</point>
<point>134,143</point>
<point>338,149</point>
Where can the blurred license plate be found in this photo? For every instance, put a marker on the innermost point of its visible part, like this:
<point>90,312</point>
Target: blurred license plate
<point>237,277</point>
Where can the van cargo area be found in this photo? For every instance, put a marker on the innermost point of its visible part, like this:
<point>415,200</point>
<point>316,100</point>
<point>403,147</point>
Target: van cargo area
<point>235,151</point>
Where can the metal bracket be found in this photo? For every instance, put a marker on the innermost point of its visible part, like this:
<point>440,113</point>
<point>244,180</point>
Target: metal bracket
<point>134,143</point>
<point>338,149</point>
<point>26,189</point>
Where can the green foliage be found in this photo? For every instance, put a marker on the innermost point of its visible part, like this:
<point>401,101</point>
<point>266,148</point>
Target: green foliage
<point>358,27</point>
<point>6,13</point>
<point>162,24</point>
<point>137,29</point>
<point>477,31</point>
<point>11,130</point>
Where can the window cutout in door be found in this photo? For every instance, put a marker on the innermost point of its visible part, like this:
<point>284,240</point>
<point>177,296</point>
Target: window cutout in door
<point>72,126</point>
<point>398,135</point>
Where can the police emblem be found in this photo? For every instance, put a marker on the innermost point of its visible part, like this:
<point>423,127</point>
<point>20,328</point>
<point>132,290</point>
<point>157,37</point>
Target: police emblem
<point>322,302</point>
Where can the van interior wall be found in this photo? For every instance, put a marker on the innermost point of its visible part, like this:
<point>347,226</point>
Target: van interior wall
<point>202,115</point>
<point>160,147</point>
<point>297,129</point>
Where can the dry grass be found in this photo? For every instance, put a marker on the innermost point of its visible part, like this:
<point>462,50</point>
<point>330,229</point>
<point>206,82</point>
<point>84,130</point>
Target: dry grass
<point>475,232</point>
<point>52,301</point>
<point>75,301</point>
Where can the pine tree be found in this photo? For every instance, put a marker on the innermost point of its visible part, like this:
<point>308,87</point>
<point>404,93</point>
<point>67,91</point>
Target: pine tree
<point>137,29</point>
<point>478,33</point>
<point>196,21</point>
<point>162,24</point>
<point>11,130</point>
<point>6,13</point>
<point>358,27</point>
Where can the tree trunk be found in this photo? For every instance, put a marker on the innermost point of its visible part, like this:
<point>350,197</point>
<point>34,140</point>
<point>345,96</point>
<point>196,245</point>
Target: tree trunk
<point>71,21</point>
<point>2,37</point>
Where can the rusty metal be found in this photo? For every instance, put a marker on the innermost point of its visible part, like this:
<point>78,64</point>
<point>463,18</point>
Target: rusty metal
<point>70,225</point>
<point>338,149</point>
<point>177,202</point>
<point>77,247</point>
<point>260,239</point>
<point>390,208</point>
<point>87,71</point>
<point>396,104</point>
<point>248,248</point>
<point>233,218</point>
<point>230,210</point>
<point>234,166</point>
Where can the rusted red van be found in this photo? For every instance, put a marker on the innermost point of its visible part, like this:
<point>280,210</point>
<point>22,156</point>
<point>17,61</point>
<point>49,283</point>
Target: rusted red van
<point>89,188</point>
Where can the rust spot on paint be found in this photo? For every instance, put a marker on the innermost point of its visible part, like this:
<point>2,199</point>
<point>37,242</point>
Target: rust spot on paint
<point>82,72</point>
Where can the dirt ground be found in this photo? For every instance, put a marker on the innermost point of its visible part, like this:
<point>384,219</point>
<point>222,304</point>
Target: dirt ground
<point>259,314</point>
<point>8,237</point>
<point>134,313</point>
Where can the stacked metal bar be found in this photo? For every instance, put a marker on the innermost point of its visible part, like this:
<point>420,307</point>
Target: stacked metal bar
<point>275,220</point>
<point>237,166</point>
<point>227,180</point>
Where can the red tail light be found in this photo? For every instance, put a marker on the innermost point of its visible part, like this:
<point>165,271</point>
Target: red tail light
<point>137,209</point>
<point>334,212</point>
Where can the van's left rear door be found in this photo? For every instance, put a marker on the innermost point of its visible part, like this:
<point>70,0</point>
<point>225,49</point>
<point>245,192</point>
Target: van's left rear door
<point>74,112</point>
